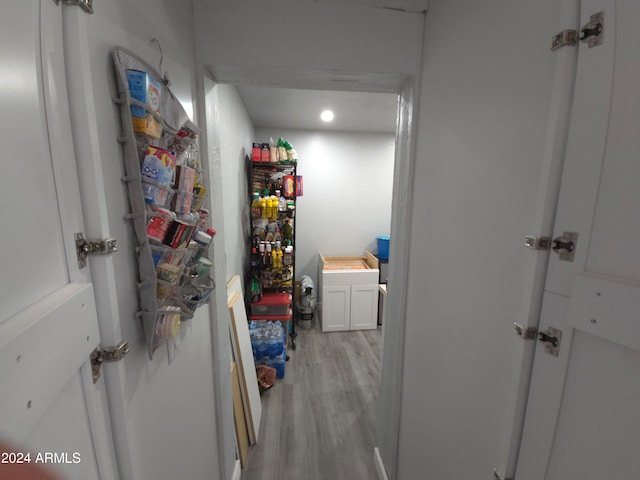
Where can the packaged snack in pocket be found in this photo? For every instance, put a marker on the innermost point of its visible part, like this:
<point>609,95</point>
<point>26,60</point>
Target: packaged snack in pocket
<point>143,88</point>
<point>182,140</point>
<point>158,166</point>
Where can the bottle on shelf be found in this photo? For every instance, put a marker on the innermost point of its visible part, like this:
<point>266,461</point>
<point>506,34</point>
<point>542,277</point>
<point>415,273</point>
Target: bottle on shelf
<point>256,208</point>
<point>287,230</point>
<point>255,291</point>
<point>267,257</point>
<point>282,202</point>
<point>287,259</point>
<point>255,258</point>
<point>263,207</point>
<point>274,257</point>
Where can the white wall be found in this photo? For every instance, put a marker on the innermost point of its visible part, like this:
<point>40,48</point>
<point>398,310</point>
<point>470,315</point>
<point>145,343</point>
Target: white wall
<point>484,99</point>
<point>236,134</point>
<point>482,120</point>
<point>169,427</point>
<point>348,179</point>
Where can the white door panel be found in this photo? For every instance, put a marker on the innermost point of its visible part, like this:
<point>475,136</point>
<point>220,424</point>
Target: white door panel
<point>55,435</point>
<point>364,307</point>
<point>48,318</point>
<point>597,434</point>
<point>40,350</point>
<point>582,419</point>
<point>336,308</point>
<point>32,254</point>
<point>606,308</point>
<point>615,229</point>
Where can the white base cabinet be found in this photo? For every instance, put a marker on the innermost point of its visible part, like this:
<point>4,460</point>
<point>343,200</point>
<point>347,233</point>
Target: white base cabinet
<point>349,296</point>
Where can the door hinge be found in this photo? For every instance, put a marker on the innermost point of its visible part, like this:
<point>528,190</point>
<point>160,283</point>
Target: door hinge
<point>499,476</point>
<point>537,243</point>
<point>551,338</point>
<point>527,333</point>
<point>86,5</point>
<point>565,246</point>
<point>85,248</point>
<point>593,32</point>
<point>109,354</point>
<point>566,38</point>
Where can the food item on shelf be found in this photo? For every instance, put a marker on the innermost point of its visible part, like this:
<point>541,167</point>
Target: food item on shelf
<point>264,152</point>
<point>256,152</point>
<point>273,151</point>
<point>282,151</point>
<point>288,186</point>
<point>256,208</point>
<point>287,230</point>
<point>292,155</point>
<point>282,202</point>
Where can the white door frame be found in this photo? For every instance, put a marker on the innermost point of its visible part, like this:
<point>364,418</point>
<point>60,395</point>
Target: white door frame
<point>388,436</point>
<point>229,465</point>
<point>90,172</point>
<point>389,427</point>
<point>546,205</point>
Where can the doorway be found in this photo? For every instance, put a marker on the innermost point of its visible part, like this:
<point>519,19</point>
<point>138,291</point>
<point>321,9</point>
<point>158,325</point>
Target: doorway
<point>402,89</point>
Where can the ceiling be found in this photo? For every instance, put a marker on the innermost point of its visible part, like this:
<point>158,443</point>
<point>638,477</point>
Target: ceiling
<point>295,99</point>
<point>288,108</point>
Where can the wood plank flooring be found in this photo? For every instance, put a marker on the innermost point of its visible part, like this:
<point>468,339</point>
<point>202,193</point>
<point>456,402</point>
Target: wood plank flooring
<point>319,422</point>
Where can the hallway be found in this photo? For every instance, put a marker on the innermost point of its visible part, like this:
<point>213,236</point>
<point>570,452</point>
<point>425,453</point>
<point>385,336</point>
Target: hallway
<point>319,422</point>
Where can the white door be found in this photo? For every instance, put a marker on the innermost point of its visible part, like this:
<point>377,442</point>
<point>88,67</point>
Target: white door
<point>583,420</point>
<point>51,413</point>
<point>336,308</point>
<point>364,307</point>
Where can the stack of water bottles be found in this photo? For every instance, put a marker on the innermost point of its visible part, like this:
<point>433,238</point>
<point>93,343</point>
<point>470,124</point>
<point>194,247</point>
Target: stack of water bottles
<point>268,344</point>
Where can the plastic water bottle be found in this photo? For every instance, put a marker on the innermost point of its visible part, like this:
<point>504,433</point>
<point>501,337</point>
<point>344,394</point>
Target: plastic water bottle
<point>259,345</point>
<point>279,334</point>
<point>272,345</point>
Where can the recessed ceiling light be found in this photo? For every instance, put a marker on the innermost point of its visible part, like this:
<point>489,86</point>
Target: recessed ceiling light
<point>326,116</point>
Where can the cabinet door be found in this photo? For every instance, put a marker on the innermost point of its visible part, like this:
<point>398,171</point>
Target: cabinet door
<point>364,307</point>
<point>336,308</point>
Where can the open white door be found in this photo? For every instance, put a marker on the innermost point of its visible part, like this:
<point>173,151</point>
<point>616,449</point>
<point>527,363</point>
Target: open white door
<point>582,419</point>
<point>51,412</point>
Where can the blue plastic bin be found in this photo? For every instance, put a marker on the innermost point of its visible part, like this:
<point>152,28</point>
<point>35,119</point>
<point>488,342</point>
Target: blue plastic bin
<point>383,246</point>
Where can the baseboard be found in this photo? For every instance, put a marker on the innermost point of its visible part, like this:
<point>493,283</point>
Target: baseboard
<point>236,471</point>
<point>382,474</point>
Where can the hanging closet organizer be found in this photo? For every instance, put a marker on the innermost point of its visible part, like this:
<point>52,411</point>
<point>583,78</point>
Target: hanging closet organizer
<point>162,172</point>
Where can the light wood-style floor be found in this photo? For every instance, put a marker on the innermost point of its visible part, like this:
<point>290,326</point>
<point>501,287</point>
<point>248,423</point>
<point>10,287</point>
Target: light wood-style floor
<point>319,422</point>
